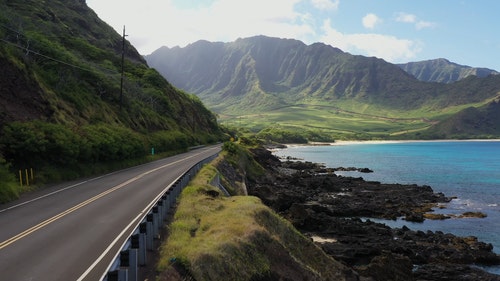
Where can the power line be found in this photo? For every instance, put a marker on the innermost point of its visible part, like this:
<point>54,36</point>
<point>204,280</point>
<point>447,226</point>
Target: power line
<point>123,67</point>
<point>30,51</point>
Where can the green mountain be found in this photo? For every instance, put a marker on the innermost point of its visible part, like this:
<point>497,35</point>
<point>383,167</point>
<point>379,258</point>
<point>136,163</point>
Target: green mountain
<point>262,82</point>
<point>63,102</point>
<point>482,122</point>
<point>262,73</point>
<point>443,71</point>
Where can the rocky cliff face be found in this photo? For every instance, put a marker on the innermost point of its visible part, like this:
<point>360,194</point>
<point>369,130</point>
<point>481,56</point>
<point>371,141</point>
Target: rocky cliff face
<point>21,98</point>
<point>329,208</point>
<point>261,73</point>
<point>278,70</point>
<point>213,237</point>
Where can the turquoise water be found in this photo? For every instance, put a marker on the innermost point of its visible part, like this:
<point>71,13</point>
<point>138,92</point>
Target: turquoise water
<point>469,170</point>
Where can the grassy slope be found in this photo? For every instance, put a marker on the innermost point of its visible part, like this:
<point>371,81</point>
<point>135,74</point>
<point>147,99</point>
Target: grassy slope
<point>215,237</point>
<point>260,82</point>
<point>347,119</point>
<point>74,58</point>
<point>61,110</point>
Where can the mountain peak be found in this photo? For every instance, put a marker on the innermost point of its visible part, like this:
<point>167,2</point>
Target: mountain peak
<point>274,67</point>
<point>269,76</point>
<point>443,71</point>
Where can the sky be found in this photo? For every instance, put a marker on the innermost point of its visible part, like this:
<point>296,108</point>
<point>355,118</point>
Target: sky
<point>398,31</point>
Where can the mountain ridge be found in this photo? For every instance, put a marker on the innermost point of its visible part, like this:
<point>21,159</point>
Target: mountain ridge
<point>260,74</point>
<point>279,65</point>
<point>443,71</point>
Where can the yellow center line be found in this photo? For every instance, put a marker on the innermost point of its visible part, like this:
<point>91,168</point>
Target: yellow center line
<point>81,205</point>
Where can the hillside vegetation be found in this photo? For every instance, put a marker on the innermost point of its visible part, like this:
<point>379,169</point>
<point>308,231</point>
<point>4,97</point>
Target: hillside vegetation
<point>65,110</point>
<point>268,83</point>
<point>214,237</point>
<point>444,71</point>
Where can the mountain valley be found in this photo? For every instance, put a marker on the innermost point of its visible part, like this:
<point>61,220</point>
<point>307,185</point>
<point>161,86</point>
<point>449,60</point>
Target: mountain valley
<point>262,82</point>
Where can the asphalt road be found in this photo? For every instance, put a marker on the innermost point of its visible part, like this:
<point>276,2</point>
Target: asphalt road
<point>73,231</point>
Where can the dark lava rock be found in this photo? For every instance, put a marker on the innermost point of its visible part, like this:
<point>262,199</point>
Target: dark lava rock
<point>321,204</point>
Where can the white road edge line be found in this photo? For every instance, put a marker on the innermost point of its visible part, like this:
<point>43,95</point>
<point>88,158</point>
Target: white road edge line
<point>50,194</point>
<point>136,219</point>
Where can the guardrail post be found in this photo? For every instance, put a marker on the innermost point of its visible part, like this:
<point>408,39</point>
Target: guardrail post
<point>149,231</point>
<point>118,275</point>
<point>159,205</point>
<point>185,180</point>
<point>138,242</point>
<point>177,187</point>
<point>166,206</point>
<point>169,198</point>
<point>134,253</point>
<point>163,204</point>
<point>142,243</point>
<point>156,221</point>
<point>128,263</point>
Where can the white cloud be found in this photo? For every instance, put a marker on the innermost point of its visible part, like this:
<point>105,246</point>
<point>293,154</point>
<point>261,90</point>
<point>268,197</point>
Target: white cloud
<point>404,17</point>
<point>389,48</point>
<point>413,19</point>
<point>371,20</point>
<point>155,23</point>
<point>326,4</point>
<point>424,24</point>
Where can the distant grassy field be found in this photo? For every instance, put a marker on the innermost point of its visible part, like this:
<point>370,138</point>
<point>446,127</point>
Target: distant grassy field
<point>327,120</point>
<point>347,119</point>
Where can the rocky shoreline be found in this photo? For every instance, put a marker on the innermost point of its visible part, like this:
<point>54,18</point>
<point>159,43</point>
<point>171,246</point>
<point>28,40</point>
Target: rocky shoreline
<point>328,208</point>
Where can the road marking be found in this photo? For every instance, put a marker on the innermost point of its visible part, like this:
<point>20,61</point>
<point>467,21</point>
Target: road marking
<point>136,220</point>
<point>49,194</point>
<point>83,204</point>
<point>103,254</point>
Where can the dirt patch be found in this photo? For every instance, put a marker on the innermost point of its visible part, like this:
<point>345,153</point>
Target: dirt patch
<point>21,99</point>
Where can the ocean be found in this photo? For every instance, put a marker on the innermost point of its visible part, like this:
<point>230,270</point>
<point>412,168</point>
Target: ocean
<point>467,170</point>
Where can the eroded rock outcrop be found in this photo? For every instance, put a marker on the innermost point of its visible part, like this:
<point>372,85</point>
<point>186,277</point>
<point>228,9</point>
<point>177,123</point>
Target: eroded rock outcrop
<point>322,204</point>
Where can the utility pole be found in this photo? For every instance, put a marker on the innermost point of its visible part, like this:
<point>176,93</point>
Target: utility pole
<point>123,62</point>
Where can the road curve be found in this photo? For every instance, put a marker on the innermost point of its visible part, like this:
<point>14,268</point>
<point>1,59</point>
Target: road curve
<point>60,234</point>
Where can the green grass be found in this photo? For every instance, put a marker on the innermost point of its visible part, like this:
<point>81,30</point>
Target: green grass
<point>236,238</point>
<point>323,119</point>
<point>9,186</point>
<point>208,231</point>
<point>78,123</point>
<point>345,119</point>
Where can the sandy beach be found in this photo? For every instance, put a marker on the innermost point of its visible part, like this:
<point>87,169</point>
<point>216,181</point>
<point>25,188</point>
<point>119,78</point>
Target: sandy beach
<point>351,142</point>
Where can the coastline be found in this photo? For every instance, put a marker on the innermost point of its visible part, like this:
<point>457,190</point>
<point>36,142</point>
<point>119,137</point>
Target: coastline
<point>333,213</point>
<point>353,142</point>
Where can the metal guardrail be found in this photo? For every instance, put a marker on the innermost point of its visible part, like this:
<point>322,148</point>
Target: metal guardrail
<point>134,252</point>
<point>216,182</point>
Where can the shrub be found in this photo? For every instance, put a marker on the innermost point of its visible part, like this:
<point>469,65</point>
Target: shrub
<point>8,185</point>
<point>282,135</point>
<point>111,143</point>
<point>164,141</point>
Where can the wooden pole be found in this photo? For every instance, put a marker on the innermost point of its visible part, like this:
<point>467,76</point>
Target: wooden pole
<point>123,62</point>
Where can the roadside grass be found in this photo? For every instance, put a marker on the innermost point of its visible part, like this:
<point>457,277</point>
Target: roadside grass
<point>209,229</point>
<point>236,238</point>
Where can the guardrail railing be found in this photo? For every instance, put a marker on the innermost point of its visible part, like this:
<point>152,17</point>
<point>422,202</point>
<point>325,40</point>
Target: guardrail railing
<point>134,252</point>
